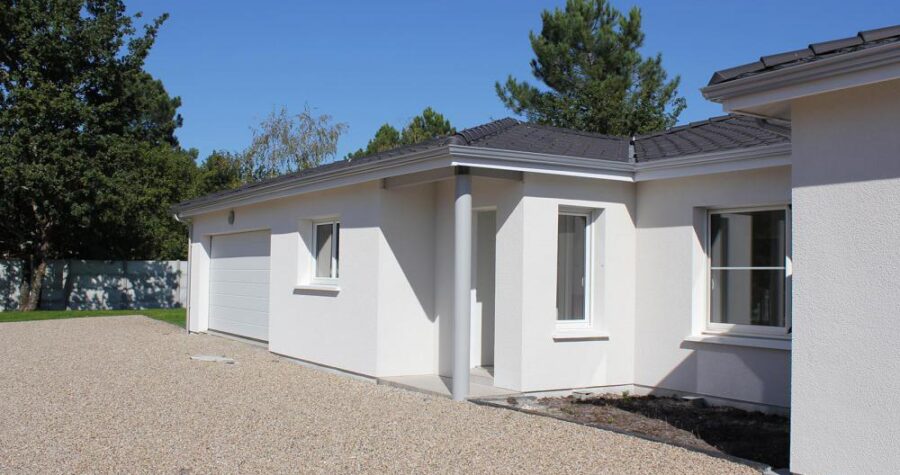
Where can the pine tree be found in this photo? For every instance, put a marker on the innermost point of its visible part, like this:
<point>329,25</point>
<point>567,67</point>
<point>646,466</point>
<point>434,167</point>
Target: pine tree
<point>587,55</point>
<point>426,126</point>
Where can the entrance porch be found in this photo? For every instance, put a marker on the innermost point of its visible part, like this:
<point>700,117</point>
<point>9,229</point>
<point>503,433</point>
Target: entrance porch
<point>467,226</point>
<point>481,384</point>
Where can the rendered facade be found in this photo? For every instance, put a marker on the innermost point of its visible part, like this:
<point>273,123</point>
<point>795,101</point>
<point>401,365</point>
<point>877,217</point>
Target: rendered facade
<point>752,259</point>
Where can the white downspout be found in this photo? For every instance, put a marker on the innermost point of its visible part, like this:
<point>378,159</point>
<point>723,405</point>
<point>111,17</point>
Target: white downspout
<point>187,274</point>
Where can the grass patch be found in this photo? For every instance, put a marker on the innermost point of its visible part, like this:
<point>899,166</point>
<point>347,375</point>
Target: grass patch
<point>175,316</point>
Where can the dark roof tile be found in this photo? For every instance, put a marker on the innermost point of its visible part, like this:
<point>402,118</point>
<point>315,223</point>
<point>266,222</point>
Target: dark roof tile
<point>814,52</point>
<point>880,33</point>
<point>782,58</point>
<point>718,133</point>
<point>835,45</point>
<point>527,137</point>
<point>481,131</point>
<point>731,73</point>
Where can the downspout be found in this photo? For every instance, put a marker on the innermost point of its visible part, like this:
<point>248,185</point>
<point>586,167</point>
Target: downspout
<point>187,274</point>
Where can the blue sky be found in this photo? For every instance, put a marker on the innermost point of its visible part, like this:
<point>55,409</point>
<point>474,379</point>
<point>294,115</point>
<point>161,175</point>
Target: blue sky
<point>367,62</point>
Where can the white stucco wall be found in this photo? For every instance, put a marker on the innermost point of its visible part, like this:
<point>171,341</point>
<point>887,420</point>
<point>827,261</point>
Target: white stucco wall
<point>505,197</point>
<point>526,356</point>
<point>671,290</point>
<point>846,375</point>
<point>509,298</point>
<point>330,329</point>
<point>560,364</point>
<point>393,314</point>
<point>407,324</point>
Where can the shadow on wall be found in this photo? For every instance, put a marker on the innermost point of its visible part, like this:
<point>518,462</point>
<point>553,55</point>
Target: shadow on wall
<point>412,242</point>
<point>10,280</point>
<point>101,285</point>
<point>753,375</point>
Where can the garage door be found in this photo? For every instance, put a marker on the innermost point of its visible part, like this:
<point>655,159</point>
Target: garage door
<point>239,284</point>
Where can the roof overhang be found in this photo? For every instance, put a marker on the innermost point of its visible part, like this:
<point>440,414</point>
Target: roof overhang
<point>770,94</point>
<point>478,157</point>
<point>409,163</point>
<point>766,156</point>
<point>426,166</point>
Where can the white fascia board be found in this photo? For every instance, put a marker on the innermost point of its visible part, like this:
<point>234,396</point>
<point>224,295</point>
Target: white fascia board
<point>456,155</point>
<point>411,163</point>
<point>766,156</point>
<point>867,66</point>
<point>477,157</point>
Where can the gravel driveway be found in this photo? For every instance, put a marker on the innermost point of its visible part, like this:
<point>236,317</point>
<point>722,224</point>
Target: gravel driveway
<point>120,394</point>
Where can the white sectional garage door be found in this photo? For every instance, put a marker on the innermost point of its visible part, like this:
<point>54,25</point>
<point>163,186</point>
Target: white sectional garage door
<point>239,284</point>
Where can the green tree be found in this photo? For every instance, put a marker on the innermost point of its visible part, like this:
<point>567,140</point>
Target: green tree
<point>133,207</point>
<point>220,171</point>
<point>282,143</point>
<point>386,138</point>
<point>285,143</point>
<point>426,126</point>
<point>89,163</point>
<point>587,57</point>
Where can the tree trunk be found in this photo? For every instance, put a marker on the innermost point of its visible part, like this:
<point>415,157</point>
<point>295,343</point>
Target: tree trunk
<point>32,280</point>
<point>34,270</point>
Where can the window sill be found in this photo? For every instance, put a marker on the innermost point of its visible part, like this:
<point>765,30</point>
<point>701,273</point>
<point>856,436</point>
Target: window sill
<point>579,335</point>
<point>783,344</point>
<point>317,288</point>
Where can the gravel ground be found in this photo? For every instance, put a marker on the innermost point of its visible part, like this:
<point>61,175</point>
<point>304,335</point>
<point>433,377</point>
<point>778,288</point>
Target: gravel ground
<point>120,394</point>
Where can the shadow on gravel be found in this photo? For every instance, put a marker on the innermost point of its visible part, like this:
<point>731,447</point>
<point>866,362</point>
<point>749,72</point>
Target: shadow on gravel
<point>749,435</point>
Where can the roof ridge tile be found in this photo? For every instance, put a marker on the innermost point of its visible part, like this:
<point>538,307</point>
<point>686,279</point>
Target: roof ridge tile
<point>478,132</point>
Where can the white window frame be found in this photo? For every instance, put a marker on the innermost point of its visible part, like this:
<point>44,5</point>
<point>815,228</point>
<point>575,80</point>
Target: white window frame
<point>586,322</point>
<point>335,259</point>
<point>741,329</point>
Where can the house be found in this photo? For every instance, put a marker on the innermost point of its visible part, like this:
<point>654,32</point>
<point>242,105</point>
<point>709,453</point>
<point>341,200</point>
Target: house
<point>843,100</point>
<point>675,262</point>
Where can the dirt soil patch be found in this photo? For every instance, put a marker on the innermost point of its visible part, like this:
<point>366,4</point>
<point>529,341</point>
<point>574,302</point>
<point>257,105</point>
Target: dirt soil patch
<point>749,435</point>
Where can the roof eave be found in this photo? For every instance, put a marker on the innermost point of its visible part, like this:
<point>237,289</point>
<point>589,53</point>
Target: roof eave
<point>501,159</point>
<point>331,179</point>
<point>543,163</point>
<point>722,161</point>
<point>790,80</point>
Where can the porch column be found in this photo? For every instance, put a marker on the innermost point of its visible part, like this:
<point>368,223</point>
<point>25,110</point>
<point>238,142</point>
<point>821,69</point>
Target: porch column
<point>462,283</point>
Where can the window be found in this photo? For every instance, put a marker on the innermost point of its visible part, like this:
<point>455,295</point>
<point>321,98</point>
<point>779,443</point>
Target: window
<point>749,256</point>
<point>326,236</point>
<point>573,268</point>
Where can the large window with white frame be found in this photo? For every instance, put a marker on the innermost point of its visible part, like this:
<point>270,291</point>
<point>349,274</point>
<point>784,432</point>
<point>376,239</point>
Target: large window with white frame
<point>749,271</point>
<point>573,269</point>
<point>326,251</point>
